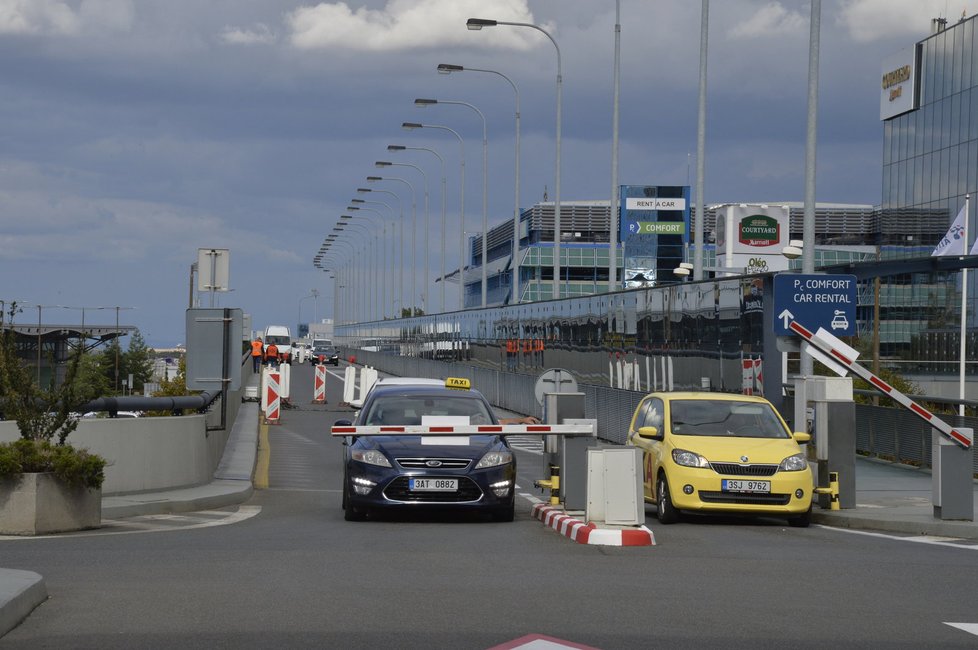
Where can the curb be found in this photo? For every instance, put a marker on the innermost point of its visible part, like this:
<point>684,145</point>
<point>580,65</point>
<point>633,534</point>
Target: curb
<point>587,533</point>
<point>20,593</point>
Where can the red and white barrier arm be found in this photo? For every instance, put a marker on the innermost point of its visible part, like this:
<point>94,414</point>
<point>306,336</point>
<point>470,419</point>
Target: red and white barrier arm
<point>822,341</point>
<point>466,430</point>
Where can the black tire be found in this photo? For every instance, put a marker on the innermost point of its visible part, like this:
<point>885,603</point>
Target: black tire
<point>666,512</point>
<point>352,513</point>
<point>801,521</point>
<point>505,514</point>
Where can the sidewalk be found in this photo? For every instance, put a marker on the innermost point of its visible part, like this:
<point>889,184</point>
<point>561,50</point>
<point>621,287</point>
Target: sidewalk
<point>889,498</point>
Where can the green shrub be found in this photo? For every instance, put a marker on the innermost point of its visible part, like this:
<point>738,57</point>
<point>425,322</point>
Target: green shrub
<point>74,466</point>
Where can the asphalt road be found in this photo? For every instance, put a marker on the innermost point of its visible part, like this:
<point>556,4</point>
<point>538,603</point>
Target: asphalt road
<point>298,575</point>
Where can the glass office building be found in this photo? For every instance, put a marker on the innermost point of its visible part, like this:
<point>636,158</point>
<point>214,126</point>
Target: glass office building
<point>929,108</point>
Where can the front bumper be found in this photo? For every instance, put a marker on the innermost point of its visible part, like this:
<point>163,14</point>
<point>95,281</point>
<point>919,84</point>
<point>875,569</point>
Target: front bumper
<point>390,490</point>
<point>791,492</point>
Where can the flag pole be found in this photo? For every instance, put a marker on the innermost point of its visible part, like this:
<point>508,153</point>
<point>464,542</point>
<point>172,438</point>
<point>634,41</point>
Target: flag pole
<point>964,309</point>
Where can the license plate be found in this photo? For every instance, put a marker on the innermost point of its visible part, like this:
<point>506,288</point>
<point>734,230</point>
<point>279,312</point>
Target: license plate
<point>736,485</point>
<point>434,484</point>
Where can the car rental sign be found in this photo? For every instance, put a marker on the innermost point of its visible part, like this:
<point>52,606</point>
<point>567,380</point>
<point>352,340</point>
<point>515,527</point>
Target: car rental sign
<point>827,301</point>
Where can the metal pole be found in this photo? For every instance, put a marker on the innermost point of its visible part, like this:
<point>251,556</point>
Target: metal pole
<point>808,254</point>
<point>701,148</point>
<point>613,205</point>
<point>964,309</point>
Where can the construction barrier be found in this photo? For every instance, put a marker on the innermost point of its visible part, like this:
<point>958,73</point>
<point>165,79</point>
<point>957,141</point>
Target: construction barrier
<point>285,383</point>
<point>368,377</point>
<point>349,384</point>
<point>271,403</point>
<point>319,385</point>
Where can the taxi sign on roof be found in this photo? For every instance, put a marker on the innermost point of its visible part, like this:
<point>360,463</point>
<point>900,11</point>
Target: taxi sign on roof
<point>459,383</point>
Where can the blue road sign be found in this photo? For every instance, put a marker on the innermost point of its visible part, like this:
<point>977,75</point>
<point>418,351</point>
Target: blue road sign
<point>827,301</point>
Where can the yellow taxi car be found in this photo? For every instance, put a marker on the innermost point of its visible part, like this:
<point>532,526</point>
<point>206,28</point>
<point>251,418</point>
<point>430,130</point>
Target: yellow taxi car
<point>721,453</point>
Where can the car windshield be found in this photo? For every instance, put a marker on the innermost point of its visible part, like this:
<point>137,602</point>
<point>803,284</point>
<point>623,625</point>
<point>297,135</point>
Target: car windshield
<point>409,409</point>
<point>277,340</point>
<point>704,417</point>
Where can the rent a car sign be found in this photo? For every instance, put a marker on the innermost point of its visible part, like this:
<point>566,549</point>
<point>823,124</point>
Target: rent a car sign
<point>827,301</point>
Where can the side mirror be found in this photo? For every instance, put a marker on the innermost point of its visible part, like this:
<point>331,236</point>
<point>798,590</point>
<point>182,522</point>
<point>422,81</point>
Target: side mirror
<point>343,423</point>
<point>650,433</point>
<point>801,437</point>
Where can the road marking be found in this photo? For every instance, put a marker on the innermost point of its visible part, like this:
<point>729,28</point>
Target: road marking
<point>970,628</point>
<point>157,523</point>
<point>966,544</point>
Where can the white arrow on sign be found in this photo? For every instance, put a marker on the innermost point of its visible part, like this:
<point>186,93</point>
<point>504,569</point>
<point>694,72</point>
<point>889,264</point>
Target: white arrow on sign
<point>787,317</point>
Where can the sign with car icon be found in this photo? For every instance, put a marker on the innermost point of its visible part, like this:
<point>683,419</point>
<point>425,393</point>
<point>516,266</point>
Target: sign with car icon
<point>815,300</point>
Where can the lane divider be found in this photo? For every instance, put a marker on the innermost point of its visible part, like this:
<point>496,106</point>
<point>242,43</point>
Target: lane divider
<point>587,533</point>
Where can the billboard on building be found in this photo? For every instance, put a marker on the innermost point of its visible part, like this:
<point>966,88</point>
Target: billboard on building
<point>654,232</point>
<point>898,87</point>
<point>750,237</point>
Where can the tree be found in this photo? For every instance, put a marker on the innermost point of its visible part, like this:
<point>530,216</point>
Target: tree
<point>138,362</point>
<point>92,382</point>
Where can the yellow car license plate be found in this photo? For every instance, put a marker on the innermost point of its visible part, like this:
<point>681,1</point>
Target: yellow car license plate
<point>748,487</point>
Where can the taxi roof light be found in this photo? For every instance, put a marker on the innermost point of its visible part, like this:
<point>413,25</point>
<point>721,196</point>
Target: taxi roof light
<point>458,383</point>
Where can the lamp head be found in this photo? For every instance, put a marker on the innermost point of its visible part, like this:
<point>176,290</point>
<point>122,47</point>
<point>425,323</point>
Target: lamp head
<point>396,147</point>
<point>681,271</point>
<point>475,24</point>
<point>375,178</point>
<point>410,126</point>
<point>364,189</point>
<point>351,207</point>
<point>357,201</point>
<point>794,249</point>
<point>425,102</point>
<point>382,163</point>
<point>346,216</point>
<point>448,68</point>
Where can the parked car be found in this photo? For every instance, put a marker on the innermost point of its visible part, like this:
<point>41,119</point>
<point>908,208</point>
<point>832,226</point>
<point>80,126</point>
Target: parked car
<point>474,473</point>
<point>721,453</point>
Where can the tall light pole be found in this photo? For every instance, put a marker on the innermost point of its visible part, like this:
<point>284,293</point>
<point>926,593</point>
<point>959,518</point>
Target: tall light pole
<point>613,205</point>
<point>424,287</point>
<point>808,233</point>
<point>364,205</point>
<point>477,24</point>
<point>378,254</point>
<point>448,68</point>
<point>400,211</point>
<point>414,227</point>
<point>485,184</point>
<point>367,266</point>
<point>701,148</point>
<point>350,301</point>
<point>398,147</point>
<point>410,126</point>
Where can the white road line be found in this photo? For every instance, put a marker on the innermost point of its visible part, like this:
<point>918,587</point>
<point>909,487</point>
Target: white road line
<point>934,541</point>
<point>139,525</point>
<point>970,628</point>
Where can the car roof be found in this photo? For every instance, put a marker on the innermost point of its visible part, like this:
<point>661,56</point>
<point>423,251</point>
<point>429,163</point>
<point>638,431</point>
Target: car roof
<point>409,381</point>
<point>705,395</point>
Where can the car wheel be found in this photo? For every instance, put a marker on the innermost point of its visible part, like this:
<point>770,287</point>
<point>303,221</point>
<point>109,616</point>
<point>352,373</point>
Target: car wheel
<point>352,513</point>
<point>506,513</point>
<point>801,521</point>
<point>667,512</point>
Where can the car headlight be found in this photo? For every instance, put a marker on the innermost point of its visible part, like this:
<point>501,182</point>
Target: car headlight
<point>688,458</point>
<point>370,457</point>
<point>494,459</point>
<point>794,463</point>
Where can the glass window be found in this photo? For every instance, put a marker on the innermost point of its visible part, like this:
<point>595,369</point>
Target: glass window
<point>945,162</point>
<point>946,123</point>
<point>974,121</point>
<point>919,132</point>
<point>918,179</point>
<point>927,83</point>
<point>955,119</point>
<point>887,202</point>
<point>928,178</point>
<point>887,137</point>
<point>956,44</point>
<point>967,62</point>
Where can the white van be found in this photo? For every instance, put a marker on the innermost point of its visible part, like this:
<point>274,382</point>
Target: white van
<point>282,338</point>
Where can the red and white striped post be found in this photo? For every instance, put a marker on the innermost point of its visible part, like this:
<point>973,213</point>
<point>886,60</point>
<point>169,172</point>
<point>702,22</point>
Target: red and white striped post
<point>272,400</point>
<point>319,384</point>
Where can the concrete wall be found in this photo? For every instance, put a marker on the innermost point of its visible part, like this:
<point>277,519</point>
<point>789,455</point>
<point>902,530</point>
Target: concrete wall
<point>145,454</point>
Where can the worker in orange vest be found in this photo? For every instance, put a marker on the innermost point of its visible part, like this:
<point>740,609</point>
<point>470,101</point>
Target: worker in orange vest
<point>271,354</point>
<point>257,351</point>
<point>511,354</point>
<point>538,351</point>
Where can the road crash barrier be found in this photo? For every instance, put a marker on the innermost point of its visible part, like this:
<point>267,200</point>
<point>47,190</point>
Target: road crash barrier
<point>319,384</point>
<point>271,403</point>
<point>285,381</point>
<point>355,391</point>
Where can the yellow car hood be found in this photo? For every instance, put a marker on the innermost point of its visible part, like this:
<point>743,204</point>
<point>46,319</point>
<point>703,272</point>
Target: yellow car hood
<point>730,449</point>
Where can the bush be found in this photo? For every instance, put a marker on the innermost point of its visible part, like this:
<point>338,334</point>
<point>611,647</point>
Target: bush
<point>75,467</point>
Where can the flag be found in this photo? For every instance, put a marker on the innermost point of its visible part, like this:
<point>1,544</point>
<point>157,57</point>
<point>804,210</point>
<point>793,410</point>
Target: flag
<point>953,242</point>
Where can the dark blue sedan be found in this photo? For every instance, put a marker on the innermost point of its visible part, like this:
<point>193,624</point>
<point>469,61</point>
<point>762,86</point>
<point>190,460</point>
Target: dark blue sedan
<point>475,472</point>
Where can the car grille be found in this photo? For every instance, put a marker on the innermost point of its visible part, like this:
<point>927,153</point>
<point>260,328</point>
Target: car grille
<point>399,490</point>
<point>746,499</point>
<point>444,463</point>
<point>735,469</point>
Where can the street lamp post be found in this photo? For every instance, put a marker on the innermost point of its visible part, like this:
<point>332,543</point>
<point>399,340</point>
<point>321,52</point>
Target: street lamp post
<point>397,147</point>
<point>378,254</point>
<point>368,267</point>
<point>485,185</point>
<point>400,211</point>
<point>383,286</point>
<point>414,252</point>
<point>447,68</point>
<point>477,24</point>
<point>410,126</point>
<point>414,227</point>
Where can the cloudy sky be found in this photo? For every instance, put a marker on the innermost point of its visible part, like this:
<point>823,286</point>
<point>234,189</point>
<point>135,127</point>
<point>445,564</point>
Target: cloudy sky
<point>133,132</point>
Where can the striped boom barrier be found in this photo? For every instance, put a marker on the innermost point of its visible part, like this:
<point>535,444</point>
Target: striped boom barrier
<point>838,353</point>
<point>466,430</point>
<point>319,385</point>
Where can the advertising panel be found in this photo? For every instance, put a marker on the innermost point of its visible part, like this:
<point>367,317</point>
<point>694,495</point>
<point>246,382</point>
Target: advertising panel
<point>898,87</point>
<point>654,231</point>
<point>750,237</point>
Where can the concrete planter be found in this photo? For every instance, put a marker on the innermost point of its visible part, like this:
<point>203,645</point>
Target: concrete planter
<point>38,504</point>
